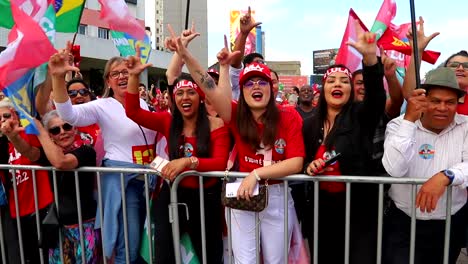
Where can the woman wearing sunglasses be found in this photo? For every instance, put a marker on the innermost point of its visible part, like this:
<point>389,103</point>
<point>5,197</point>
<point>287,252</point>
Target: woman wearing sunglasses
<point>125,143</point>
<point>57,138</point>
<point>259,127</point>
<point>196,142</point>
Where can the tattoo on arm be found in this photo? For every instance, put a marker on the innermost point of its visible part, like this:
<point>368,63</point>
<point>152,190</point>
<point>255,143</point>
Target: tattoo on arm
<point>206,80</point>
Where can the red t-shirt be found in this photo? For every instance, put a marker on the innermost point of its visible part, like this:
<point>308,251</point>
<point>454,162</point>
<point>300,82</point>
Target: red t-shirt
<point>332,187</point>
<point>463,107</point>
<point>24,182</point>
<point>289,142</point>
<point>89,134</point>
<point>161,122</point>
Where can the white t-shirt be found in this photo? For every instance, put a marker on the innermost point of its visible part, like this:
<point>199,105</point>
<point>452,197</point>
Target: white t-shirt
<point>123,139</point>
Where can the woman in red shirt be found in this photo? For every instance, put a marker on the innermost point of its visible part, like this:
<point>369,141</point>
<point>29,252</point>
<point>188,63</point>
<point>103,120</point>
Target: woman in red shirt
<point>259,127</point>
<point>197,142</point>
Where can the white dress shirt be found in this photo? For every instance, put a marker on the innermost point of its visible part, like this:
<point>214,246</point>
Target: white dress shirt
<point>413,151</point>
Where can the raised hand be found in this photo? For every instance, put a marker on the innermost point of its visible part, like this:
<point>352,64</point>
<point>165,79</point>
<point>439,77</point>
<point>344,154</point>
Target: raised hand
<point>189,34</point>
<point>423,40</point>
<point>11,127</point>
<point>366,44</point>
<point>247,23</point>
<point>225,56</point>
<point>389,64</point>
<point>59,63</point>
<point>134,65</point>
<point>417,104</point>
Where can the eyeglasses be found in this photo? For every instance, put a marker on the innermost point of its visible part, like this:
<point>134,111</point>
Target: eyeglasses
<point>456,64</point>
<point>56,129</point>
<point>6,115</point>
<point>250,84</point>
<point>116,74</point>
<point>74,93</point>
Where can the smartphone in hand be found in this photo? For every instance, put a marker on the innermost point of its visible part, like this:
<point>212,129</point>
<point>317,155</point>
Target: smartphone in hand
<point>330,161</point>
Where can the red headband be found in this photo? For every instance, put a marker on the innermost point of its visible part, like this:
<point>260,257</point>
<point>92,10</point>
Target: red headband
<point>337,69</point>
<point>185,83</point>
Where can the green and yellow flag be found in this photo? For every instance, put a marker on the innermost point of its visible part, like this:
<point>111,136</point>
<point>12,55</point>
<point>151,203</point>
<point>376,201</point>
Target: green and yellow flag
<point>68,15</point>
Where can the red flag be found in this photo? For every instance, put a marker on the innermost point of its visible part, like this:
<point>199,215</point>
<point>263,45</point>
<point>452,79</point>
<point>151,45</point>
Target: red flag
<point>28,47</point>
<point>116,13</point>
<point>347,55</point>
<point>394,38</point>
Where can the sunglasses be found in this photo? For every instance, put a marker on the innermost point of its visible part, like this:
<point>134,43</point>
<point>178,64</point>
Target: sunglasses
<point>74,93</point>
<point>56,129</point>
<point>456,64</point>
<point>250,84</point>
<point>6,115</point>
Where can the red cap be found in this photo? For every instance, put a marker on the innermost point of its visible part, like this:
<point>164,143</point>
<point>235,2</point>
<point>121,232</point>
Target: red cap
<point>213,72</point>
<point>255,70</point>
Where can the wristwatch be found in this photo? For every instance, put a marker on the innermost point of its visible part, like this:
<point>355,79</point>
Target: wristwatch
<point>450,175</point>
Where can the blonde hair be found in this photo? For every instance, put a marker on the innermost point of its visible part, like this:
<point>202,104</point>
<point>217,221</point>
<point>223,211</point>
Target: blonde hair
<point>110,63</point>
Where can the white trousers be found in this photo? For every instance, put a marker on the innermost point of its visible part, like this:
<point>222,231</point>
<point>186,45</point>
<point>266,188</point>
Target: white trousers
<point>271,224</point>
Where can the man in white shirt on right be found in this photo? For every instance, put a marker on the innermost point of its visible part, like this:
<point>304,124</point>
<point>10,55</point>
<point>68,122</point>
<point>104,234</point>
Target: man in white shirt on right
<point>430,141</point>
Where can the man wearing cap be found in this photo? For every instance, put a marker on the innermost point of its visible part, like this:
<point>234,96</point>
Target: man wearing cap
<point>430,141</point>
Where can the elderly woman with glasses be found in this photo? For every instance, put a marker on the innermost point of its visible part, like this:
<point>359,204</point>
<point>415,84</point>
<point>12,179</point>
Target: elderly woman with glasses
<point>57,138</point>
<point>126,144</point>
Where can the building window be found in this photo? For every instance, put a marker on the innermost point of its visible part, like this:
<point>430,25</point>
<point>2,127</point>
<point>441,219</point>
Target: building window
<point>103,33</point>
<point>82,29</point>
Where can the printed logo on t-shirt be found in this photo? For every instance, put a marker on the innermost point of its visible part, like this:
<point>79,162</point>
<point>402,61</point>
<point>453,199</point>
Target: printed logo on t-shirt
<point>280,145</point>
<point>143,155</point>
<point>188,150</point>
<point>86,138</point>
<point>426,151</point>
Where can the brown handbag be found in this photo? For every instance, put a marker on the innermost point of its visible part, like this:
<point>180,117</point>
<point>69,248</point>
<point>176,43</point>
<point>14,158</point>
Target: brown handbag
<point>258,202</point>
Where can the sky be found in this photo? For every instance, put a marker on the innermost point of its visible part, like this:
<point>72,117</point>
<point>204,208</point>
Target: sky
<point>295,28</point>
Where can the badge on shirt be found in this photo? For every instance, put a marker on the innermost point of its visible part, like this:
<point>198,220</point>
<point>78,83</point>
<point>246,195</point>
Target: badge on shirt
<point>188,150</point>
<point>426,151</point>
<point>280,144</point>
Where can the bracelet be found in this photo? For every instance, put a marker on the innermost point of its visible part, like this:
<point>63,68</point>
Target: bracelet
<point>256,175</point>
<point>193,162</point>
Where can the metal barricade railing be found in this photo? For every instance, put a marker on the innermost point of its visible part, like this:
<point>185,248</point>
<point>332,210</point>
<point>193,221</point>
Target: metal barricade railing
<point>174,215</point>
<point>99,173</point>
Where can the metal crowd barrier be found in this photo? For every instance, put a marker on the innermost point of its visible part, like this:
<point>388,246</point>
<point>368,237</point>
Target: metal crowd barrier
<point>174,216</point>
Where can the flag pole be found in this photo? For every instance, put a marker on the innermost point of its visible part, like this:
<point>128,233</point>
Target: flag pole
<point>187,14</point>
<point>415,45</point>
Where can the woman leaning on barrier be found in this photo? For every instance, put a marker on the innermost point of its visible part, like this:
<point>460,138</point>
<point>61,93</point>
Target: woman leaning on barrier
<point>343,127</point>
<point>258,126</point>
<point>126,144</point>
<point>57,138</point>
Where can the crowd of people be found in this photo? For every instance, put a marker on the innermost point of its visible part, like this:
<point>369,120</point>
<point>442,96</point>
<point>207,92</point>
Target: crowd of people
<point>204,116</point>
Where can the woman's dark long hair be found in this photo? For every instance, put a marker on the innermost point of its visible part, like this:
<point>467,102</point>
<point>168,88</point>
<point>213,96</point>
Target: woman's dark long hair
<point>248,126</point>
<point>314,127</point>
<point>203,131</point>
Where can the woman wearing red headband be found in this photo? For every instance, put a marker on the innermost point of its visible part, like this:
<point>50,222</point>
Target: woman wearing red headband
<point>196,141</point>
<point>340,126</point>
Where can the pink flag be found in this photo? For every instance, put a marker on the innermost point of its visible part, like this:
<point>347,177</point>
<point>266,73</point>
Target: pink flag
<point>385,16</point>
<point>347,55</point>
<point>34,8</point>
<point>116,13</point>
<point>28,47</point>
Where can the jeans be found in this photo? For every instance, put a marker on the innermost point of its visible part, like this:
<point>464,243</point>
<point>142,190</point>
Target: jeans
<point>135,220</point>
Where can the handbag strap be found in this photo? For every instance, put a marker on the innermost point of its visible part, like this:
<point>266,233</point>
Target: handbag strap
<point>232,158</point>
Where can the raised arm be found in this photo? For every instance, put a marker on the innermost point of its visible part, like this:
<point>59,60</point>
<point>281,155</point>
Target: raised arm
<point>42,99</point>
<point>54,153</point>
<point>12,130</point>
<point>219,96</point>
<point>409,83</point>
<point>174,69</point>
<point>246,24</point>
<point>394,102</point>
